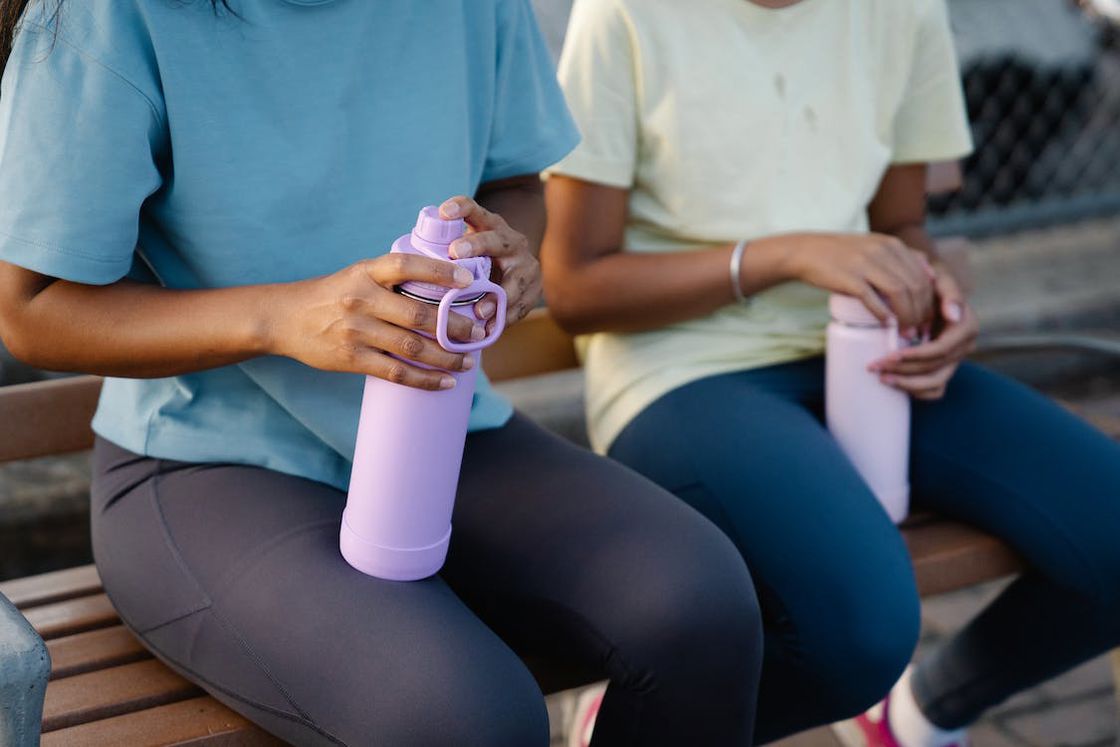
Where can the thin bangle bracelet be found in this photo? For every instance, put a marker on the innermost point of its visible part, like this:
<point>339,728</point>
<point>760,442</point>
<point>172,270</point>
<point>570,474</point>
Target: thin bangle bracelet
<point>736,270</point>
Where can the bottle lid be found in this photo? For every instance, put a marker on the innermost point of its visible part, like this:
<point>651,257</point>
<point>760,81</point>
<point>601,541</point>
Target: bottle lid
<point>432,228</point>
<point>851,310</point>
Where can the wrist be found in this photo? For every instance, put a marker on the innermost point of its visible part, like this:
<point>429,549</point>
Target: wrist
<point>780,259</point>
<point>266,319</point>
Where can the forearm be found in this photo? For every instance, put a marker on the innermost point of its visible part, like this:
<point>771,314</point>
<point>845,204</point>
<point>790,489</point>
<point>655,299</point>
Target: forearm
<point>634,292</point>
<point>137,330</point>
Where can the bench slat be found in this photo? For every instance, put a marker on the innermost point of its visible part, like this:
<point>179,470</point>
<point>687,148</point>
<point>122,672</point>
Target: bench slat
<point>93,696</point>
<point>93,650</point>
<point>198,721</point>
<point>52,587</point>
<point>48,417</point>
<point>948,556</point>
<point>72,616</point>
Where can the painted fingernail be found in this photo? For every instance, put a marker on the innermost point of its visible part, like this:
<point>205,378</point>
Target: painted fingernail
<point>953,312</point>
<point>478,333</point>
<point>463,277</point>
<point>447,382</point>
<point>486,309</point>
<point>468,362</point>
<point>450,209</point>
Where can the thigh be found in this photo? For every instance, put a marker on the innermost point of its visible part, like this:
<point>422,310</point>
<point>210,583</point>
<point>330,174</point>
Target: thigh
<point>565,552</point>
<point>748,451</point>
<point>1002,456</point>
<point>233,575</point>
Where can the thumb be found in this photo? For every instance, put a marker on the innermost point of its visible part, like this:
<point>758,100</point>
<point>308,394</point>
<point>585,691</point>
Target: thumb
<point>952,300</point>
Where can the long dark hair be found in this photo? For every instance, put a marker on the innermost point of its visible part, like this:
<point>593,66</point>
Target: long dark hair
<point>12,10</point>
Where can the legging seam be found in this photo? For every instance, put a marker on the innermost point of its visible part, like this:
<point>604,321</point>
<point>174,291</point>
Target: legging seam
<point>207,683</point>
<point>229,627</point>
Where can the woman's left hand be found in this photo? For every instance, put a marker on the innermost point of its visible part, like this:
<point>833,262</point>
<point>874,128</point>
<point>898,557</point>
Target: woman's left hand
<point>924,371</point>
<point>517,270</point>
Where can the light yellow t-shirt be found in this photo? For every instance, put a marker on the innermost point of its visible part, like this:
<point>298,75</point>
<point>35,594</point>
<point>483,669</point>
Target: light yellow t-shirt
<point>730,121</point>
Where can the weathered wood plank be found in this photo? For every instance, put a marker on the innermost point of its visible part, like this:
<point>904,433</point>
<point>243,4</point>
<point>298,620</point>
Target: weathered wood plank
<point>72,616</point>
<point>198,721</point>
<point>93,650</point>
<point>57,586</point>
<point>94,696</point>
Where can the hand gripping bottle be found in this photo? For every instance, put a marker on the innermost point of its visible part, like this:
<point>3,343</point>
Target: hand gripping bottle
<point>397,522</point>
<point>869,419</point>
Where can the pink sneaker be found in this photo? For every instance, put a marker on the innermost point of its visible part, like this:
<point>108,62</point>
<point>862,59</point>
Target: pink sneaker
<point>871,728</point>
<point>582,723</point>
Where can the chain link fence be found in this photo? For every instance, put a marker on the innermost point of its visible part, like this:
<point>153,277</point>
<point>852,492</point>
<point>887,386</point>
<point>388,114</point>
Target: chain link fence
<point>1042,85</point>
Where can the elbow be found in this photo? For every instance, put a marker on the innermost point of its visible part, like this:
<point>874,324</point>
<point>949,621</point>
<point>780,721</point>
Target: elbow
<point>569,308</point>
<point>15,340</point>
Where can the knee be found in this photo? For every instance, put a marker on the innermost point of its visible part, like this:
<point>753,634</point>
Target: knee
<point>692,616</point>
<point>872,640</point>
<point>481,702</point>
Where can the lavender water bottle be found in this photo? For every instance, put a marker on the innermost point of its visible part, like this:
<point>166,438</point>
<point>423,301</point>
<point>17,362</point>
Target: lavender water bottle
<point>870,420</point>
<point>397,522</point>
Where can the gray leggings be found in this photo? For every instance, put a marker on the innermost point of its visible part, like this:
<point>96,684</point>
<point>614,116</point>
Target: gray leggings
<point>232,575</point>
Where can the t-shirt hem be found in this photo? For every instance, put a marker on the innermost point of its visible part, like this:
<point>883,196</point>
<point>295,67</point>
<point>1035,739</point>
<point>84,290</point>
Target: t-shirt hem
<point>606,426</point>
<point>58,262</point>
<point>931,154</point>
<point>590,168</point>
<point>533,161</point>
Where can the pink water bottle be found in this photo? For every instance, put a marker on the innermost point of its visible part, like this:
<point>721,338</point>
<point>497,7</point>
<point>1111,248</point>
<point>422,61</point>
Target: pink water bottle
<point>397,522</point>
<point>870,420</point>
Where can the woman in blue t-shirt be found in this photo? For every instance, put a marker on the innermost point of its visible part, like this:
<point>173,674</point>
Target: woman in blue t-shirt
<point>194,201</point>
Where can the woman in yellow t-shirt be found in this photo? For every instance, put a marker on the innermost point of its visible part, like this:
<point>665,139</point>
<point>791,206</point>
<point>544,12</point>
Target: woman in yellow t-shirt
<point>741,159</point>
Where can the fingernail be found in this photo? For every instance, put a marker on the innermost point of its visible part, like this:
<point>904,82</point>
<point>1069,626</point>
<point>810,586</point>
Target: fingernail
<point>478,333</point>
<point>487,308</point>
<point>460,248</point>
<point>463,277</point>
<point>468,362</point>
<point>447,382</point>
<point>450,209</point>
<point>875,368</point>
<point>888,379</point>
<point>953,312</point>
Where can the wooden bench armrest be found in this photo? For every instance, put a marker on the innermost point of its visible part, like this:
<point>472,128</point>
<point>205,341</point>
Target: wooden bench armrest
<point>47,417</point>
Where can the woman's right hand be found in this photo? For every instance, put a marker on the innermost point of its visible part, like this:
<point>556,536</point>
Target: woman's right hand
<point>354,322</point>
<point>890,278</point>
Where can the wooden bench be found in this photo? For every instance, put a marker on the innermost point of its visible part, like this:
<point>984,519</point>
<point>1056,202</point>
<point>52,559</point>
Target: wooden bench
<point>105,689</point>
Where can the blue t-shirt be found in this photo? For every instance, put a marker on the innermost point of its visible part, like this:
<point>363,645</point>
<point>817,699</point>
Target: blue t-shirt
<point>161,141</point>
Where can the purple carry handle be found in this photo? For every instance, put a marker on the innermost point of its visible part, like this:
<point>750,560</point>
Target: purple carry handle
<point>474,289</point>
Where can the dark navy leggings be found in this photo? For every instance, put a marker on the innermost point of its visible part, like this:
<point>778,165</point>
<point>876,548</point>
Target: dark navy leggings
<point>835,583</point>
<point>232,575</point>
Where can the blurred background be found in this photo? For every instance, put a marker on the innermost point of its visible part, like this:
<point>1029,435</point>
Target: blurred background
<point>1039,213</point>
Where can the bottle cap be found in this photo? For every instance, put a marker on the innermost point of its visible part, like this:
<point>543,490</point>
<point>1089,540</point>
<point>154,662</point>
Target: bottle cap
<point>851,310</point>
<point>435,230</point>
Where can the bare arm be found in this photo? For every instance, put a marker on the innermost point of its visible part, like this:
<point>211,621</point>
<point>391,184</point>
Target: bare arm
<point>350,321</point>
<point>592,285</point>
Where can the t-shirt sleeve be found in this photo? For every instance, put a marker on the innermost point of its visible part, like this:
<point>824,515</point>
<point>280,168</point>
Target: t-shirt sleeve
<point>597,73</point>
<point>532,128</point>
<point>931,124</point>
<point>76,161</point>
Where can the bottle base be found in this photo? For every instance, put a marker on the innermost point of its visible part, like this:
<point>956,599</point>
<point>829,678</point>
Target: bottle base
<point>392,563</point>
